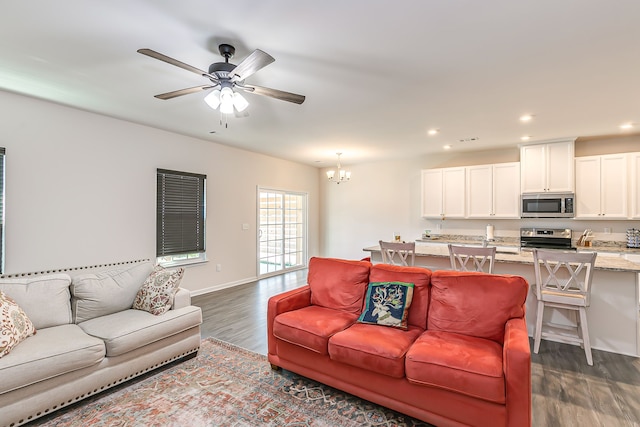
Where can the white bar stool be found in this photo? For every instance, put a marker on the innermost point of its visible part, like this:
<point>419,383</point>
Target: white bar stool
<point>563,280</point>
<point>476,258</point>
<point>398,253</point>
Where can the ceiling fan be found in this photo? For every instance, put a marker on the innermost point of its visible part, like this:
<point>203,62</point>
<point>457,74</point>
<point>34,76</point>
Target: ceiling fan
<point>225,78</point>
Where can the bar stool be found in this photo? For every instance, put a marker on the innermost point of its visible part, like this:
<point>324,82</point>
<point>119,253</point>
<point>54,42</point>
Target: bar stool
<point>563,280</point>
<point>398,253</point>
<point>476,257</point>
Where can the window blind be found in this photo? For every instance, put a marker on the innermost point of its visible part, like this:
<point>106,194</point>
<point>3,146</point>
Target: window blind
<point>2,151</point>
<point>180,222</point>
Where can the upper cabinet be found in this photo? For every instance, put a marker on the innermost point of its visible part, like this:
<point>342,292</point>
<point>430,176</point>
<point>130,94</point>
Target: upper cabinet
<point>443,193</point>
<point>493,191</point>
<point>547,167</point>
<point>634,165</point>
<point>601,187</point>
<point>486,191</point>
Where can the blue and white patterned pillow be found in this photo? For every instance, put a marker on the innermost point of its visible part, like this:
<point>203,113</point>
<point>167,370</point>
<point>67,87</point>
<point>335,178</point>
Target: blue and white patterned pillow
<point>387,304</point>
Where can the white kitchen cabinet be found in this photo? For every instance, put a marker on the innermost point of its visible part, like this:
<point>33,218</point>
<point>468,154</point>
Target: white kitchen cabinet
<point>443,193</point>
<point>547,167</point>
<point>634,165</point>
<point>601,187</point>
<point>493,191</point>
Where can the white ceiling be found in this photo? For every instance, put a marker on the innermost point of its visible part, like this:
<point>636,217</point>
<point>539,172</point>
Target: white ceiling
<point>377,74</point>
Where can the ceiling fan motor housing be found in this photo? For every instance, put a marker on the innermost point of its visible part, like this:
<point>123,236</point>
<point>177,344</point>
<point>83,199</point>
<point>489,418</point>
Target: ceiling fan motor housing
<point>221,69</point>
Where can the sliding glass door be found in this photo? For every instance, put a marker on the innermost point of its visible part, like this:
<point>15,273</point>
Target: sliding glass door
<point>282,231</point>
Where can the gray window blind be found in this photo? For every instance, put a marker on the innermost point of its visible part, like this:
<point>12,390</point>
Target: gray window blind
<point>2,209</point>
<point>180,223</point>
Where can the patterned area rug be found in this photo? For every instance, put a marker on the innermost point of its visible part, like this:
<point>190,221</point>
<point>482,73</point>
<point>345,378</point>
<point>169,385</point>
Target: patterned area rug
<point>225,386</point>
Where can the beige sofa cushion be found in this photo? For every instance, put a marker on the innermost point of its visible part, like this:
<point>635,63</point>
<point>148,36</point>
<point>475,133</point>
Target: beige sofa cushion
<point>107,292</point>
<point>45,299</point>
<point>51,352</point>
<point>131,329</point>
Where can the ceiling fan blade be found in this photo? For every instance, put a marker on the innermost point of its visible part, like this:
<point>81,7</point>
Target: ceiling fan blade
<point>252,63</point>
<point>169,60</point>
<point>274,93</point>
<point>181,92</point>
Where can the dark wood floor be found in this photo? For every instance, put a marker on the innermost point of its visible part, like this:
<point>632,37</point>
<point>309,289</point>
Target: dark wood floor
<point>566,391</point>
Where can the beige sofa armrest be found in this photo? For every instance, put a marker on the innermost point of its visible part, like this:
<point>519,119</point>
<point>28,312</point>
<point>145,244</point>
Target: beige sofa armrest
<point>181,299</point>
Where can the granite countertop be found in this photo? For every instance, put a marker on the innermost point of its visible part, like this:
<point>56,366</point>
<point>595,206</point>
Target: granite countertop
<point>596,245</point>
<point>615,261</point>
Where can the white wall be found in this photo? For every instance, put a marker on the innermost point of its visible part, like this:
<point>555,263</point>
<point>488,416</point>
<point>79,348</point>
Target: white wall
<point>383,198</point>
<point>80,190</point>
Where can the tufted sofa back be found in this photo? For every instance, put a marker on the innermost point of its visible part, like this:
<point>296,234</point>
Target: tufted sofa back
<point>475,304</point>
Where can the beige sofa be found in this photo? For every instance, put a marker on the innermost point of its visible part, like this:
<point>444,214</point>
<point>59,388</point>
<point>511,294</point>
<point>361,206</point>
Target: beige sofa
<point>88,338</point>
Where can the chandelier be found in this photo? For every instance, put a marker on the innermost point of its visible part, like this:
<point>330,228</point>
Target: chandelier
<point>341,175</point>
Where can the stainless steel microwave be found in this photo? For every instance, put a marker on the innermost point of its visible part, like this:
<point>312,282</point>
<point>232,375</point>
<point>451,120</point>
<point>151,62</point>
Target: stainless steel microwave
<point>547,205</point>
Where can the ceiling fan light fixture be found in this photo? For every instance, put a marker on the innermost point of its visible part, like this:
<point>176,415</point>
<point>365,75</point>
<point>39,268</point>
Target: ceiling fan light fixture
<point>226,107</point>
<point>213,99</point>
<point>226,100</point>
<point>240,102</point>
<point>226,95</point>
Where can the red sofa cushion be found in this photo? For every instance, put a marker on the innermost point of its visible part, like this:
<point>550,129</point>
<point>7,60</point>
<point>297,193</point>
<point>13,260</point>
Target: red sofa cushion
<point>376,348</point>
<point>338,284</point>
<point>461,363</point>
<point>475,304</point>
<point>311,327</point>
<point>419,276</point>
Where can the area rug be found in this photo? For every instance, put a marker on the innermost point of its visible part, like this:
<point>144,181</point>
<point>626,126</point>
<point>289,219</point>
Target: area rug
<point>225,386</point>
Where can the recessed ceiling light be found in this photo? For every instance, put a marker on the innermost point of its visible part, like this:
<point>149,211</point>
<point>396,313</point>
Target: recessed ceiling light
<point>626,126</point>
<point>525,138</point>
<point>447,147</point>
<point>526,117</point>
<point>433,131</point>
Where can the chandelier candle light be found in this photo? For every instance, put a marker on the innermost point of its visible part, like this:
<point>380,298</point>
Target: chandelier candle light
<point>341,176</point>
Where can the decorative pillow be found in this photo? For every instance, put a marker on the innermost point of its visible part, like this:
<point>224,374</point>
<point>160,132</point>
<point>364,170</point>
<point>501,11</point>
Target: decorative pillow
<point>157,292</point>
<point>387,304</point>
<point>15,326</point>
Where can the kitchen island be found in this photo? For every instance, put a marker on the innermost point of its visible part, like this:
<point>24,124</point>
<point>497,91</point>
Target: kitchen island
<point>614,312</point>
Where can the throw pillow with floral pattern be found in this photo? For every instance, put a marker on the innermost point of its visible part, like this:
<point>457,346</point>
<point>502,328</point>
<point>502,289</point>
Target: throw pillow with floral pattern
<point>15,326</point>
<point>157,291</point>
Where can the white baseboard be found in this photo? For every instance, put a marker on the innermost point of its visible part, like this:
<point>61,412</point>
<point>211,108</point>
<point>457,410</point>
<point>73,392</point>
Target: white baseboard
<point>223,286</point>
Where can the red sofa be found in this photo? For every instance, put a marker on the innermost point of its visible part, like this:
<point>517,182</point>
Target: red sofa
<point>464,358</point>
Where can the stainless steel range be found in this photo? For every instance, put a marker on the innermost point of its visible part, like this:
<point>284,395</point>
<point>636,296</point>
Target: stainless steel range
<point>545,238</point>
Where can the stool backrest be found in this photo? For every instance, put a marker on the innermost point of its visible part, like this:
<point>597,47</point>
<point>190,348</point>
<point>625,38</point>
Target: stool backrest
<point>472,258</point>
<point>564,273</point>
<point>398,253</point>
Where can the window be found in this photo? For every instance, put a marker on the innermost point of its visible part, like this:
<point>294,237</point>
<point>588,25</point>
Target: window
<point>180,222</point>
<point>1,210</point>
<point>283,231</point>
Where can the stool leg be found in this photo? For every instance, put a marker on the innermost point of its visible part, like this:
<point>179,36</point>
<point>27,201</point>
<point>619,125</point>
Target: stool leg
<point>537,334</point>
<point>579,327</point>
<point>585,335</point>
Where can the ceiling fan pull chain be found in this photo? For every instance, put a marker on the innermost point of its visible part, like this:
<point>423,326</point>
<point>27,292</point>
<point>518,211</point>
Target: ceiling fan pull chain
<point>226,122</point>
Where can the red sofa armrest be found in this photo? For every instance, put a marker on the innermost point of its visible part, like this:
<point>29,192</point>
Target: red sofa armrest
<point>281,303</point>
<point>516,356</point>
